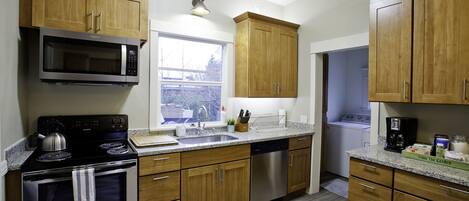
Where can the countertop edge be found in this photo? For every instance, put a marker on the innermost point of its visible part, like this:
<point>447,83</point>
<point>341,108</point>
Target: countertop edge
<point>436,175</point>
<point>142,153</point>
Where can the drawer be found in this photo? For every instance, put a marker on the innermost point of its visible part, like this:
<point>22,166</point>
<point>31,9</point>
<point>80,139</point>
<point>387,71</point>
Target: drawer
<point>214,156</point>
<point>372,172</point>
<point>159,163</point>
<point>299,143</point>
<point>360,190</point>
<point>160,187</point>
<point>401,196</point>
<point>429,188</point>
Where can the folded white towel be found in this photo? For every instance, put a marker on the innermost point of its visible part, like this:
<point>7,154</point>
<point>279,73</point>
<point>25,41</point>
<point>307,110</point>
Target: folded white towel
<point>83,185</point>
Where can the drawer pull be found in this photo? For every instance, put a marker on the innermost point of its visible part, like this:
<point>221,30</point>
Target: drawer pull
<point>368,166</point>
<point>454,189</point>
<point>160,178</point>
<point>161,159</point>
<point>301,139</point>
<point>367,186</point>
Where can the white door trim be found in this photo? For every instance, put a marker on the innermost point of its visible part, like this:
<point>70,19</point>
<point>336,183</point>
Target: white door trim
<point>317,50</point>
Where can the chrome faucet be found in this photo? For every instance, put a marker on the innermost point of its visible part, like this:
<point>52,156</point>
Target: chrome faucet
<point>200,127</point>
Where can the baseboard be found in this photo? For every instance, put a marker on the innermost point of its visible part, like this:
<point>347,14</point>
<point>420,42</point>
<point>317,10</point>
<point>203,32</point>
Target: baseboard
<point>3,168</point>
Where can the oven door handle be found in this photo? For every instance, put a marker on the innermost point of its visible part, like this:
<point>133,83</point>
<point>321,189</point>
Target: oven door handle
<point>60,179</point>
<point>100,169</point>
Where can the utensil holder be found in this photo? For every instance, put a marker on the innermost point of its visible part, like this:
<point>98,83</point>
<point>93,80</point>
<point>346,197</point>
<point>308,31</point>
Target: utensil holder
<point>240,127</point>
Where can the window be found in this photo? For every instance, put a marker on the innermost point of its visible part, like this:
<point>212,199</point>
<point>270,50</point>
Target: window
<point>190,74</point>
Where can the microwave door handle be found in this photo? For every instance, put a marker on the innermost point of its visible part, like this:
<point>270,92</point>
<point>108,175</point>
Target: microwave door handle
<point>124,60</point>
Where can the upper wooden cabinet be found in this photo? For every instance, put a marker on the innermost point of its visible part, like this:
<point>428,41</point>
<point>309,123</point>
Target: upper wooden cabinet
<point>441,40</point>
<point>266,57</point>
<point>439,48</point>
<point>390,51</point>
<point>125,18</point>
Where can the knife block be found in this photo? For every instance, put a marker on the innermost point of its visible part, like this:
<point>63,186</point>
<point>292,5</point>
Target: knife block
<point>240,127</point>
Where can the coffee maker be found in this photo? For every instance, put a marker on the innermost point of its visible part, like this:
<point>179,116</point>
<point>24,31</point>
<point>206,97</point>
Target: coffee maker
<point>401,132</point>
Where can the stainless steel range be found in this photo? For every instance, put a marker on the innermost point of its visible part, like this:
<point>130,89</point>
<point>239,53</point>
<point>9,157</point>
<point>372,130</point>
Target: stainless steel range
<point>98,142</point>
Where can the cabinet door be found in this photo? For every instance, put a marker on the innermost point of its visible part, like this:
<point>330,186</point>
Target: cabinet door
<point>299,169</point>
<point>261,60</point>
<point>440,50</point>
<point>72,15</point>
<point>126,18</point>
<point>287,73</point>
<point>234,178</point>
<point>390,51</point>
<point>200,184</point>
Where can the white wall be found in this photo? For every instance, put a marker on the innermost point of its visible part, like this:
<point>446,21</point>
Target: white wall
<point>357,71</point>
<point>337,86</point>
<point>47,99</point>
<point>12,90</point>
<point>321,20</point>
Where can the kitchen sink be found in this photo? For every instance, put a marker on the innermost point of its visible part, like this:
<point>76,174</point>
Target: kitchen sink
<point>206,139</point>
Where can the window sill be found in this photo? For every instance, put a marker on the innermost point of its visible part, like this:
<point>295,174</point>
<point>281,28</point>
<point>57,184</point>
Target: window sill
<point>173,127</point>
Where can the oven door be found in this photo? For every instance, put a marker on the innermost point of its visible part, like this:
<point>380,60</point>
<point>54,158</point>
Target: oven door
<point>83,57</point>
<point>113,182</point>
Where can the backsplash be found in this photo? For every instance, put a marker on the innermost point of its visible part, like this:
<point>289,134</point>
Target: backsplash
<point>432,119</point>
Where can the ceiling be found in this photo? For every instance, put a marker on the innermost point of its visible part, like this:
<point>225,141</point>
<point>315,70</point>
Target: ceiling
<point>282,2</point>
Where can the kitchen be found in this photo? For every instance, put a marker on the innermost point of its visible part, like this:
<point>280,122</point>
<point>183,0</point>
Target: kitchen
<point>180,54</point>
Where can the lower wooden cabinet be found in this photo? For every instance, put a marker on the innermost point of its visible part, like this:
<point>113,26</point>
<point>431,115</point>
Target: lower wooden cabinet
<point>160,187</point>
<point>298,169</point>
<point>360,189</point>
<point>401,196</point>
<point>223,182</point>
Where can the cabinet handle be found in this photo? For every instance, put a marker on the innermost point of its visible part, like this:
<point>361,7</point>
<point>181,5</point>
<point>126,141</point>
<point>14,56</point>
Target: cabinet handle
<point>274,88</point>
<point>90,17</point>
<point>278,89</point>
<point>98,22</point>
<point>161,159</point>
<point>291,161</point>
<point>368,166</point>
<point>405,90</point>
<point>367,186</point>
<point>222,175</point>
<point>301,139</point>
<point>454,189</point>
<point>464,91</point>
<point>217,175</point>
<point>160,178</point>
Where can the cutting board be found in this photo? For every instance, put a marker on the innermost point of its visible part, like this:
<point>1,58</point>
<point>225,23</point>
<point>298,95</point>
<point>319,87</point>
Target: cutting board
<point>153,140</point>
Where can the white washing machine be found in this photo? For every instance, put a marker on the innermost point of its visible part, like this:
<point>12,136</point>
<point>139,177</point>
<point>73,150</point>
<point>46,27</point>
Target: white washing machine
<point>341,137</point>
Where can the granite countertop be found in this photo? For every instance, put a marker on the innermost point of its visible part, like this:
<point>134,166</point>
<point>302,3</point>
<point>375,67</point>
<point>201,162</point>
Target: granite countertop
<point>377,154</point>
<point>243,138</point>
<point>15,162</point>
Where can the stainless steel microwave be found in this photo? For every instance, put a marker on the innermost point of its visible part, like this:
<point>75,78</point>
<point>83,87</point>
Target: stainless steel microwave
<point>75,57</point>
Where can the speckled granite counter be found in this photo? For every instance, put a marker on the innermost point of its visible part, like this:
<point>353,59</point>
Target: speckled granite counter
<point>243,138</point>
<point>377,154</point>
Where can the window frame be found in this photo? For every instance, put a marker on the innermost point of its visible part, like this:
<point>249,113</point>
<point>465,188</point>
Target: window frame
<point>218,38</point>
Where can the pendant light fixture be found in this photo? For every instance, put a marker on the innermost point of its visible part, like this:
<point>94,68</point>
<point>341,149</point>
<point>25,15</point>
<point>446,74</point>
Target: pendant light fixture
<point>199,8</point>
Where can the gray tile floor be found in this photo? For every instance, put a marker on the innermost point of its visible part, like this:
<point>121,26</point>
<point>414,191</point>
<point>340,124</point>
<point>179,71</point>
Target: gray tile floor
<point>323,195</point>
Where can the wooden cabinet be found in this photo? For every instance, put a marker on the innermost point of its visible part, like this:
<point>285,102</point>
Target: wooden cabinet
<point>266,57</point>
<point>401,196</point>
<point>434,57</point>
<point>299,169</point>
<point>429,188</point>
<point>159,163</point>
<point>440,51</point>
<point>372,172</point>
<point>299,142</point>
<point>390,51</point>
<point>224,182</point>
<point>360,189</point>
<point>73,15</point>
<point>160,187</point>
<point>200,184</point>
<point>235,181</point>
<point>125,18</point>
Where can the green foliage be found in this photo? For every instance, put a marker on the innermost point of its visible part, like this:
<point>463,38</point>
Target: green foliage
<point>231,121</point>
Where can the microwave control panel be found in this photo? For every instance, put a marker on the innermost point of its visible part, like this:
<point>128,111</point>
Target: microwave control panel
<point>132,61</point>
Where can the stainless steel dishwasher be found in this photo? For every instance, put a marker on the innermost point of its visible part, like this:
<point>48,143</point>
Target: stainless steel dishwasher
<point>269,170</point>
